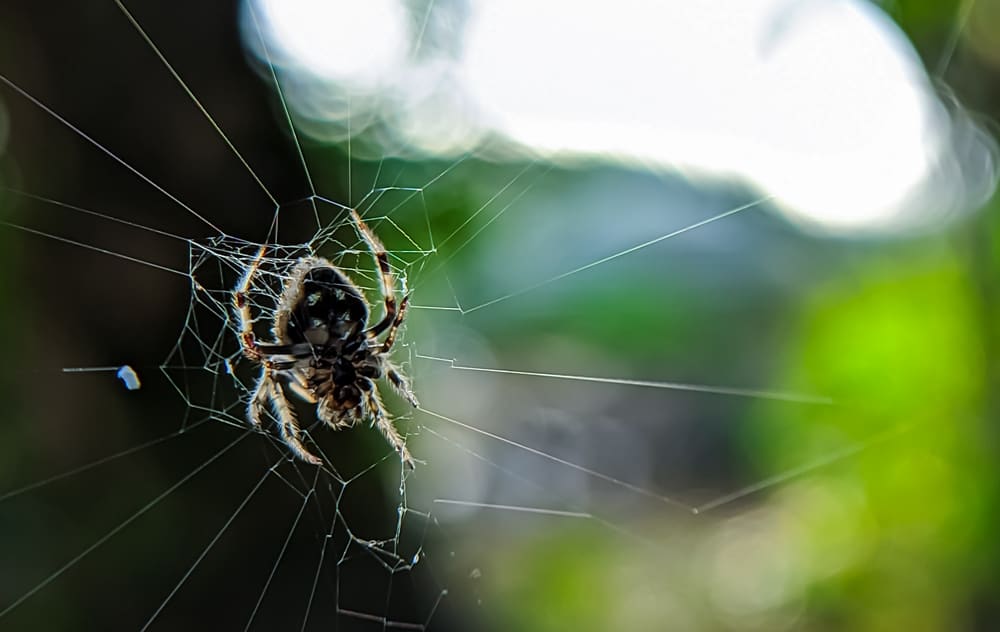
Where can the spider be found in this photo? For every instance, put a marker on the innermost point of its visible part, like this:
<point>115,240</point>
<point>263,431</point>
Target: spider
<point>322,350</point>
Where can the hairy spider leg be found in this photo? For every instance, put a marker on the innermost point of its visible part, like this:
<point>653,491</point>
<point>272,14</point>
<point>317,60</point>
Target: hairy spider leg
<point>376,410</point>
<point>241,302</point>
<point>288,423</point>
<point>269,391</point>
<point>298,386</point>
<point>386,281</point>
<point>390,337</point>
<point>399,382</point>
<point>394,315</point>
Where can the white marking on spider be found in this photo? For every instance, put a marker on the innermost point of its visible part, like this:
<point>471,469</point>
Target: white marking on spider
<point>131,379</point>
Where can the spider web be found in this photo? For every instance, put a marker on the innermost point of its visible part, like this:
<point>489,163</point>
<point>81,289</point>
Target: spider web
<point>526,412</point>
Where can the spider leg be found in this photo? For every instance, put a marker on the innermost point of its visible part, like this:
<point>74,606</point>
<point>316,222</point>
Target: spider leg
<point>241,304</point>
<point>390,337</point>
<point>379,419</point>
<point>386,282</point>
<point>261,393</point>
<point>288,423</point>
<point>299,387</point>
<point>399,382</point>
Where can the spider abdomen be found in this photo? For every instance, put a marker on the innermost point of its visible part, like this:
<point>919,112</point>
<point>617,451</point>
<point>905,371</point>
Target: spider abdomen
<point>328,307</point>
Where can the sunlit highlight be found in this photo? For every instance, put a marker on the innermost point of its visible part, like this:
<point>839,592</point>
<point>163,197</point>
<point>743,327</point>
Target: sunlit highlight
<point>335,40</point>
<point>825,105</point>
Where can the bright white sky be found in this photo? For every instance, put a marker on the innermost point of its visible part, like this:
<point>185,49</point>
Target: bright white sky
<point>822,103</point>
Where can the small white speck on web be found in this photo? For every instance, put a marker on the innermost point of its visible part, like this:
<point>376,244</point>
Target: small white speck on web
<point>125,373</point>
<point>128,375</point>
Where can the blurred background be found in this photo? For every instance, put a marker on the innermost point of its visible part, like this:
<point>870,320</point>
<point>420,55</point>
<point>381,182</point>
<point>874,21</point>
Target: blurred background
<point>705,324</point>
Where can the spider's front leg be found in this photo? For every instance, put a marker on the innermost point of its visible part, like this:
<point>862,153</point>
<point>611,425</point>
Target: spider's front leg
<point>241,304</point>
<point>248,341</point>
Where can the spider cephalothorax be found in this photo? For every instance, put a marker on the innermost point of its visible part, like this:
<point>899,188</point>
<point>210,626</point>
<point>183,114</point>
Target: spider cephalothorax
<point>322,350</point>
